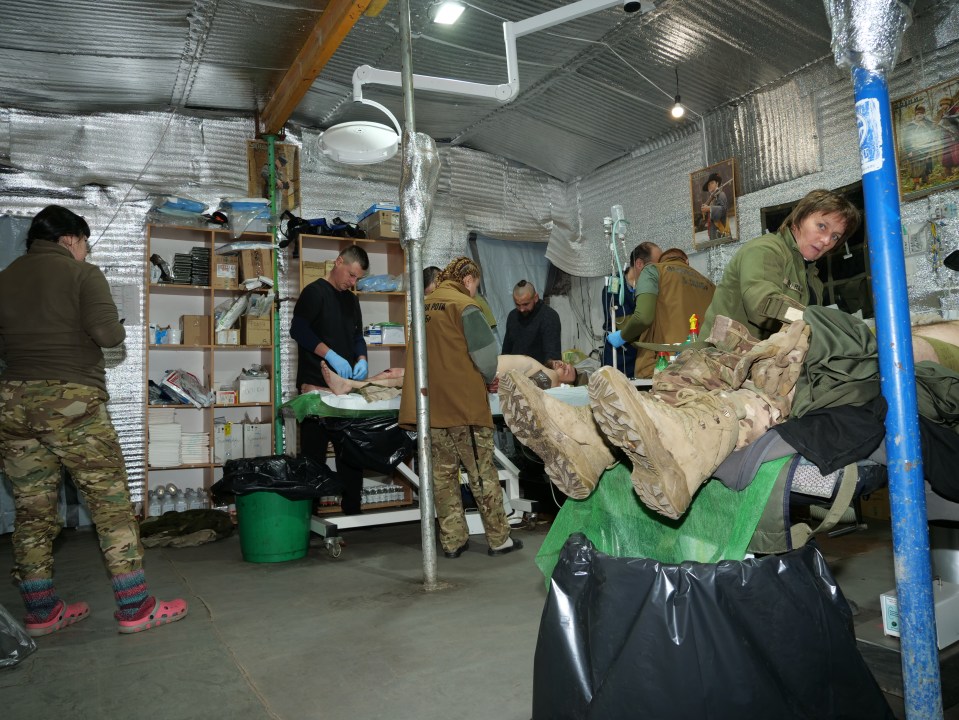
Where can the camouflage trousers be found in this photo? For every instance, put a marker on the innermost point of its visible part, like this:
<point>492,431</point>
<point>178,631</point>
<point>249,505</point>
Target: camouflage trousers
<point>471,447</point>
<point>756,378</point>
<point>46,425</point>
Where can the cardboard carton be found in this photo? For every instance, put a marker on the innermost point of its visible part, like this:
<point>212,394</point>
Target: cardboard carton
<point>381,225</point>
<point>195,329</point>
<point>226,272</point>
<point>227,442</point>
<point>256,440</point>
<point>253,389</point>
<point>256,330</point>
<point>313,271</point>
<point>228,337</point>
<point>226,397</point>
<point>254,263</point>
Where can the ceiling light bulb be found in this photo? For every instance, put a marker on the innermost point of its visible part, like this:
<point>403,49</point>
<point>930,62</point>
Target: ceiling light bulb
<point>678,110</point>
<point>448,13</point>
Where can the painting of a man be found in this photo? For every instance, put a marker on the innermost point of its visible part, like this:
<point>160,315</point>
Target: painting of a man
<point>713,193</point>
<point>715,207</point>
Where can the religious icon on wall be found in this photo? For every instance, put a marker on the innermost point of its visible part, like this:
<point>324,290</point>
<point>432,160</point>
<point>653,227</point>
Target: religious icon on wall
<point>713,192</point>
<point>286,167</point>
<point>926,126</point>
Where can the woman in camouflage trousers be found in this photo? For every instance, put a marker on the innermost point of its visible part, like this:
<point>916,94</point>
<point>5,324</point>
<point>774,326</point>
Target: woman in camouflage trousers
<point>56,315</point>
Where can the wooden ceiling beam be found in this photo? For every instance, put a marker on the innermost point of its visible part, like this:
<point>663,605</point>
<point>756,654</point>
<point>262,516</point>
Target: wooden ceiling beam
<point>332,26</point>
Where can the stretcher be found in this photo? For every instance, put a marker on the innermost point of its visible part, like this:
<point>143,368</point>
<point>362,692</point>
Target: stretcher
<point>325,404</point>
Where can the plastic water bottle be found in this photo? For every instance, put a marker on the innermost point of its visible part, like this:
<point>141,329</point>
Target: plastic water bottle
<point>154,506</point>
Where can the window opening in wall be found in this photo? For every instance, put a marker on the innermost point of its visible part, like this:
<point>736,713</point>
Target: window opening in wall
<point>845,272</point>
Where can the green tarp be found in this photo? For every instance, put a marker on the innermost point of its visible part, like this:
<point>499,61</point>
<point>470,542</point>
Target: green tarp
<point>718,525</point>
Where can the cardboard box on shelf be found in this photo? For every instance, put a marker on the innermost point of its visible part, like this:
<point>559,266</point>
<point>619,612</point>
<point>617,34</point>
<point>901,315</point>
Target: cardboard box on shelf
<point>381,225</point>
<point>256,440</point>
<point>393,334</point>
<point>226,397</point>
<point>195,329</point>
<point>226,272</point>
<point>256,330</point>
<point>228,337</point>
<point>227,442</point>
<point>313,271</point>
<point>254,263</point>
<point>253,389</point>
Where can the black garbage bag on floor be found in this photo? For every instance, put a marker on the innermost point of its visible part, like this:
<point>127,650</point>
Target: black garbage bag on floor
<point>295,478</point>
<point>634,638</point>
<point>15,644</point>
<point>376,443</point>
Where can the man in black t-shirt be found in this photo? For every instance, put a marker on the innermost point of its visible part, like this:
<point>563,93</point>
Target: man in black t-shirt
<point>328,328</point>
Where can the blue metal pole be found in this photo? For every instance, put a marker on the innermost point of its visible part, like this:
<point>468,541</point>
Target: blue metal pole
<point>910,534</point>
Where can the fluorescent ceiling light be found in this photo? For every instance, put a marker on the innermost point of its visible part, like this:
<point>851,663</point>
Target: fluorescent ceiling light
<point>447,13</point>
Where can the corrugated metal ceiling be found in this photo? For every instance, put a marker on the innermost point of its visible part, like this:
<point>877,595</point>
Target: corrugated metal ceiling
<point>582,104</point>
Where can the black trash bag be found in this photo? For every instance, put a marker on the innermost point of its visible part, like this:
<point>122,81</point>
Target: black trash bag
<point>375,443</point>
<point>635,638</point>
<point>295,478</point>
<point>15,644</point>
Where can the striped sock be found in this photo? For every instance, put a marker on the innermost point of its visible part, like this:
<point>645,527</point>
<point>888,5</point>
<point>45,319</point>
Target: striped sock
<point>130,590</point>
<point>40,598</point>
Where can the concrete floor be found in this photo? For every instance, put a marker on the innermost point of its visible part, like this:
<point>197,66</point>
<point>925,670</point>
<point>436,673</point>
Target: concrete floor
<point>353,638</point>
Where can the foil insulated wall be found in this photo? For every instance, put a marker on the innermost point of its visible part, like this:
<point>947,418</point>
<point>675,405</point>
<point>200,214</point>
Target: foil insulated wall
<point>109,168</point>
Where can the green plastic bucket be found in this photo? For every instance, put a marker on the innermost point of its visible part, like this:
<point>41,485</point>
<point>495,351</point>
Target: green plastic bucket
<point>272,528</point>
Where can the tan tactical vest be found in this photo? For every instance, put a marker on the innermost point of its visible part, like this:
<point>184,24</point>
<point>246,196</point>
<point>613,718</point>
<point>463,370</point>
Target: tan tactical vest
<point>682,292</point>
<point>457,390</point>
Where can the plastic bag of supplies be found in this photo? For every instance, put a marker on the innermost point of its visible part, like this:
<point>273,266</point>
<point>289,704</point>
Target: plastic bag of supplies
<point>15,644</point>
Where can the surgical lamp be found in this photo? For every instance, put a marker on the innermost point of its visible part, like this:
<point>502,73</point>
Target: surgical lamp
<point>359,143</point>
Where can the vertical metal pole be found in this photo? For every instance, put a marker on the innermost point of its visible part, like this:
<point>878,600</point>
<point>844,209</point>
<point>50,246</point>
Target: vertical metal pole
<point>414,260</point>
<point>275,313</point>
<point>910,535</point>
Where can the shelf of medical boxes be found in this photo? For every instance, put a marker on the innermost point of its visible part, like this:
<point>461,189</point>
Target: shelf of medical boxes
<point>198,351</point>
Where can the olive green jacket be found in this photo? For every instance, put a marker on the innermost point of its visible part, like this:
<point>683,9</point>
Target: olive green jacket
<point>56,315</point>
<point>766,266</point>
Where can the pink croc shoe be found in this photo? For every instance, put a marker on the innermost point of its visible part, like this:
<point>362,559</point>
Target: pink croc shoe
<point>154,613</point>
<point>62,616</point>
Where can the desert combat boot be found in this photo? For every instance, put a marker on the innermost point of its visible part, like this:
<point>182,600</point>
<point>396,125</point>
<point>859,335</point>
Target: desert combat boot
<point>565,437</point>
<point>673,449</point>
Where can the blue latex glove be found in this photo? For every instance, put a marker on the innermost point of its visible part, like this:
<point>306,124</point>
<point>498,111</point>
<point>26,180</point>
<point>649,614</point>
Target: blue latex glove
<point>615,339</point>
<point>339,365</point>
<point>361,370</point>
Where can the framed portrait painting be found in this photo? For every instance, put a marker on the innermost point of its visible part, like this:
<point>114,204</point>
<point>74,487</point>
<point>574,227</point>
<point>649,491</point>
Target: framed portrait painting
<point>713,193</point>
<point>287,167</point>
<point>926,127</point>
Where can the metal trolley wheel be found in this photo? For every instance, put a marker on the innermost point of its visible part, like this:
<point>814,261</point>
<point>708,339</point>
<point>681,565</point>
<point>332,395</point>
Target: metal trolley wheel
<point>334,546</point>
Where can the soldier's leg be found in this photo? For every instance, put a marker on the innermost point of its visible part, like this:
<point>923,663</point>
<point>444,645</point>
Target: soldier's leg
<point>34,474</point>
<point>89,448</point>
<point>447,499</point>
<point>475,448</point>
